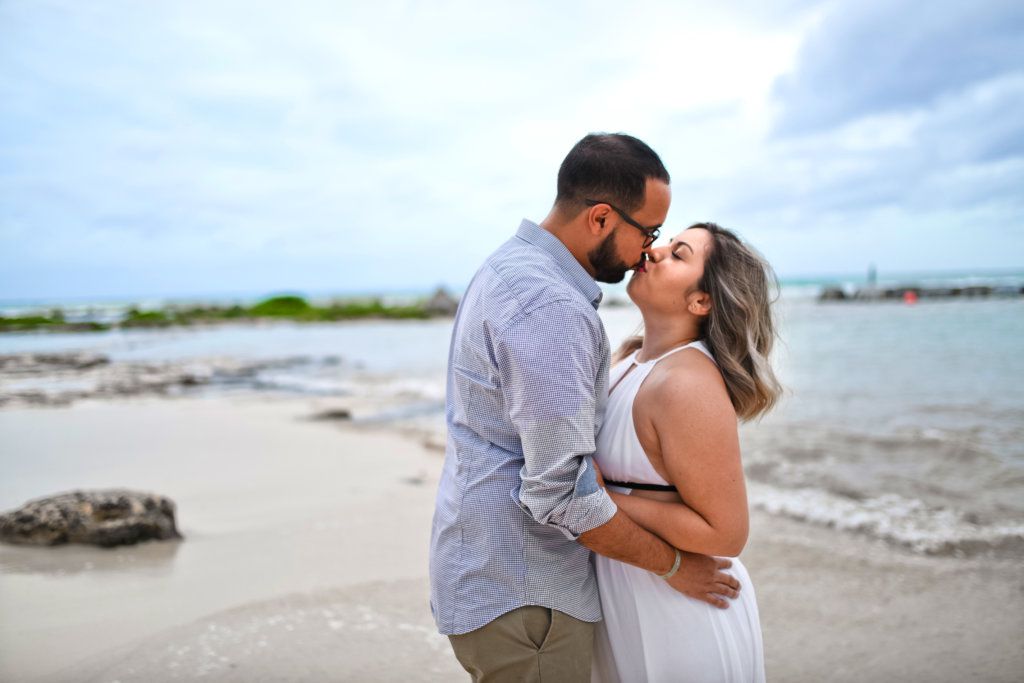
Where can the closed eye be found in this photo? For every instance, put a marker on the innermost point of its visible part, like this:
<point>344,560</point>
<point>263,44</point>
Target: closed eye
<point>676,249</point>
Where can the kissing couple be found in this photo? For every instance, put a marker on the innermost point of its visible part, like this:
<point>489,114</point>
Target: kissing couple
<point>578,484</point>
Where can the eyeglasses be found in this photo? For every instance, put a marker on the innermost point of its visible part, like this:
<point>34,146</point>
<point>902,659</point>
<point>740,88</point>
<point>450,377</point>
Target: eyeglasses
<point>650,234</point>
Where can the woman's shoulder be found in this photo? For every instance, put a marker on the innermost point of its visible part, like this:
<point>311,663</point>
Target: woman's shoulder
<point>686,379</point>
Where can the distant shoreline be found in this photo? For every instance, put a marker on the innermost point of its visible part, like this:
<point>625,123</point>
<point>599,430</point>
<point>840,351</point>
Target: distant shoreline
<point>185,313</point>
<point>289,307</point>
<point>887,278</point>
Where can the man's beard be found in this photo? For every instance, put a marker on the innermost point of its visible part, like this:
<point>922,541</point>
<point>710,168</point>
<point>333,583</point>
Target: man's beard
<point>607,265</point>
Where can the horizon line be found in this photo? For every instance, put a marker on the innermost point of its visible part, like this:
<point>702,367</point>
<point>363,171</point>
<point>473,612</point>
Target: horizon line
<point>308,292</point>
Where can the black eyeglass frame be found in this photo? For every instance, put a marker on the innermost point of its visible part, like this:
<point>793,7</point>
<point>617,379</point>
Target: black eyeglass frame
<point>650,233</point>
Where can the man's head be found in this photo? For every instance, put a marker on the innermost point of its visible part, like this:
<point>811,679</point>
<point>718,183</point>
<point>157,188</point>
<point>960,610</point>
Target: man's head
<point>613,193</point>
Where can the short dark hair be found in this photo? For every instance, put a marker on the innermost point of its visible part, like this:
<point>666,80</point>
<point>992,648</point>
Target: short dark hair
<point>612,167</point>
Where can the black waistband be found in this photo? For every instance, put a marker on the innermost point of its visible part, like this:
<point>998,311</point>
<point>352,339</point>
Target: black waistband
<point>642,487</point>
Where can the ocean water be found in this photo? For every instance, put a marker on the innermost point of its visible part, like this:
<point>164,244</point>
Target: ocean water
<point>905,423</point>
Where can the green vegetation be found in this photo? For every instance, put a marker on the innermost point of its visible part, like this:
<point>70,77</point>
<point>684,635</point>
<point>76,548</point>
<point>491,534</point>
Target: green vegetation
<point>285,307</point>
<point>54,323</point>
<point>205,313</point>
<point>282,307</point>
<point>27,321</point>
<point>370,309</point>
<point>137,318</point>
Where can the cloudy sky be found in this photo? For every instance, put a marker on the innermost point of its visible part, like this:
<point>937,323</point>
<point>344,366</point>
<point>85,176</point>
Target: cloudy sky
<point>214,146</point>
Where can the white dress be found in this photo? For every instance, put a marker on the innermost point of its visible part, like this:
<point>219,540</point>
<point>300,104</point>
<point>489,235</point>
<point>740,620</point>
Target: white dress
<point>651,632</point>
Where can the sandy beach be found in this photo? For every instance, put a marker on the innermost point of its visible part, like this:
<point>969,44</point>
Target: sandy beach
<point>254,259</point>
<point>305,558</point>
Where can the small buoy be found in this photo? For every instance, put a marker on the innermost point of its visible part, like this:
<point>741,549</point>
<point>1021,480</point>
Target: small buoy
<point>910,297</point>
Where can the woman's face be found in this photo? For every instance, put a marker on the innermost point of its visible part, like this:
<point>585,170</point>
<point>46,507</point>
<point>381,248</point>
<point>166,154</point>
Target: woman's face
<point>668,282</point>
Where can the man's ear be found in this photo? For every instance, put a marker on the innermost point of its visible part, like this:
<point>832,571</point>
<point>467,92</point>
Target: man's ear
<point>597,217</point>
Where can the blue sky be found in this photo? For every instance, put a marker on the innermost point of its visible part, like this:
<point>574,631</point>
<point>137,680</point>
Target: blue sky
<point>220,146</point>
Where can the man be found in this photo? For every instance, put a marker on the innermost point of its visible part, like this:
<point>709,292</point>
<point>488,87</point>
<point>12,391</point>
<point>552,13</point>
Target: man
<point>518,507</point>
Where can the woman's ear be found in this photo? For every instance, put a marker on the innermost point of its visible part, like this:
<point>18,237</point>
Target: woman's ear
<point>700,303</point>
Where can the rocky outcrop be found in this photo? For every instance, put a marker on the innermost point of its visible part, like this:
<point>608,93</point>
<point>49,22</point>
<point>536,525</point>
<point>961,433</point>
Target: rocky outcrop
<point>60,379</point>
<point>36,363</point>
<point>106,518</point>
<point>832,294</point>
<point>441,303</point>
<point>919,292</point>
<point>333,415</point>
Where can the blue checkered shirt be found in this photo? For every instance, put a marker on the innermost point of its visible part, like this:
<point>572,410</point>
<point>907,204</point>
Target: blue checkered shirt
<point>527,387</point>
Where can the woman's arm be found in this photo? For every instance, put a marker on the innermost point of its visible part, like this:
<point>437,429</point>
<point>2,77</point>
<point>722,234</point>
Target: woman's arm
<point>677,524</point>
<point>695,423</point>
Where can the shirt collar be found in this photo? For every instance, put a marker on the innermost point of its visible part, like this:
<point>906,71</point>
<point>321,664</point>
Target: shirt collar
<point>576,274</point>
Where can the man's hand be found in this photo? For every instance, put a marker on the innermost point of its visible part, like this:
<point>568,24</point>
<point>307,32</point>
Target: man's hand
<point>597,473</point>
<point>700,577</point>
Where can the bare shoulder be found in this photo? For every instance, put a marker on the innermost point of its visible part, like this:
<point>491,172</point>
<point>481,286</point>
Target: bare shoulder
<point>688,383</point>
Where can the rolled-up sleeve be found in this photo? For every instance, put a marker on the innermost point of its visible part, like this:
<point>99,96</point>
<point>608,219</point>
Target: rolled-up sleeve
<point>548,362</point>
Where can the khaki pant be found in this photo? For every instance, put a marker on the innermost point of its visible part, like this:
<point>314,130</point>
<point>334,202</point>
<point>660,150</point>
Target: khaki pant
<point>531,643</point>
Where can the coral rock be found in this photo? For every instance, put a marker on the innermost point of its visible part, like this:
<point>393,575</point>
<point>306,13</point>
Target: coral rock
<point>105,518</point>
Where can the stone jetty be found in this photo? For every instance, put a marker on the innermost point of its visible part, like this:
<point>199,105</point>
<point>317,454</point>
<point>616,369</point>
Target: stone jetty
<point>915,292</point>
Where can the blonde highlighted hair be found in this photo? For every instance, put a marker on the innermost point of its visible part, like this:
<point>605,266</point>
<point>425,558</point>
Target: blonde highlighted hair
<point>740,329</point>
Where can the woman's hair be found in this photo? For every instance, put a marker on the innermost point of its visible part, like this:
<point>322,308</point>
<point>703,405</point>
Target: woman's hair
<point>739,329</point>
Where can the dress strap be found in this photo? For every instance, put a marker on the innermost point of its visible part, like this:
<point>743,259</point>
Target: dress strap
<point>668,353</point>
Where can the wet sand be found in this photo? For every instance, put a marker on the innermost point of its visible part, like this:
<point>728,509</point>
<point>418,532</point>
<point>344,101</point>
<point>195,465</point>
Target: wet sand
<point>306,550</point>
<point>270,504</point>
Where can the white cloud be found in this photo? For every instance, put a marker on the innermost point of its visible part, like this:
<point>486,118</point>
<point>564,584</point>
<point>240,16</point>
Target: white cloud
<point>329,145</point>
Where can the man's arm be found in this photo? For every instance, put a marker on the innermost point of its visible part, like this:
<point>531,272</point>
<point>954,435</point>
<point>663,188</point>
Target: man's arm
<point>698,576</point>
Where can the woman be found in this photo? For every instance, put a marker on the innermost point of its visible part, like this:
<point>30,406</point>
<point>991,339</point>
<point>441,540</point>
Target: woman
<point>671,426</point>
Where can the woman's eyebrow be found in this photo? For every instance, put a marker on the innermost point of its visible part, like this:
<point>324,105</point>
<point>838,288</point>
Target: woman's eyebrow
<point>678,242</point>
